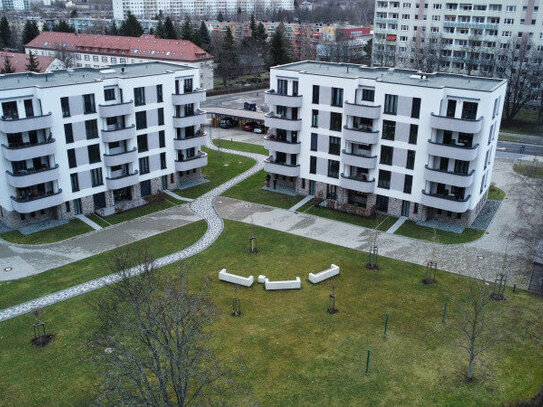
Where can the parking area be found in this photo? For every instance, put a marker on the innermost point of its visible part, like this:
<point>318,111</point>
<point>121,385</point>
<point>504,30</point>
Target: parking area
<point>236,101</point>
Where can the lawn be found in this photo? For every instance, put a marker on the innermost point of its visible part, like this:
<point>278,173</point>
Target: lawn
<point>287,350</point>
<point>411,229</point>
<point>533,170</point>
<point>18,291</point>
<point>218,170</point>
<point>381,222</point>
<point>525,122</point>
<point>495,193</point>
<point>239,146</point>
<point>98,220</point>
<point>73,228</point>
<point>251,190</point>
<point>134,213</point>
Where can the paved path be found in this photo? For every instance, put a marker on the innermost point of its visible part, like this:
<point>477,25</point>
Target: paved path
<point>89,222</point>
<point>401,220</point>
<point>301,203</point>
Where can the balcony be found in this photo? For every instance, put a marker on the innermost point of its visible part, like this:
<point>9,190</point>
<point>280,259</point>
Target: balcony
<point>117,109</point>
<point>111,160</point>
<point>367,111</point>
<point>455,124</point>
<point>361,135</point>
<point>122,181</point>
<point>37,203</point>
<point>28,178</point>
<point>456,151</point>
<point>288,170</point>
<point>386,20</point>
<point>278,122</point>
<point>461,24</point>
<point>449,178</point>
<point>125,133</point>
<point>273,144</point>
<point>445,202</point>
<point>198,161</point>
<point>26,124</point>
<point>196,96</point>
<point>363,161</point>
<point>273,98</point>
<point>194,120</point>
<point>28,151</point>
<point>184,143</point>
<point>357,184</point>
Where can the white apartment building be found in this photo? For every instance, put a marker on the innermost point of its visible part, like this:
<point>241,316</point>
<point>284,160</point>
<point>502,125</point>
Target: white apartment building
<point>483,26</point>
<point>394,141</point>
<point>197,8</point>
<point>89,140</point>
<point>18,5</point>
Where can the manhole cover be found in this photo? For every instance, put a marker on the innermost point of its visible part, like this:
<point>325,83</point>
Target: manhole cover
<point>7,269</point>
<point>480,257</point>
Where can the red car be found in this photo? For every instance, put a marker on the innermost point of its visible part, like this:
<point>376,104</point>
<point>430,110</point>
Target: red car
<point>250,126</point>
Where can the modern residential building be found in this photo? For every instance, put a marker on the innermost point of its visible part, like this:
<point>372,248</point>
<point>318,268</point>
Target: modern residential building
<point>197,8</point>
<point>16,5</point>
<point>88,140</point>
<point>394,141</point>
<point>467,33</point>
<point>19,61</point>
<point>98,51</point>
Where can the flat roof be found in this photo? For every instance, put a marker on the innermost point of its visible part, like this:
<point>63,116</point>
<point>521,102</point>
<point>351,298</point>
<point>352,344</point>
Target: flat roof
<point>394,75</point>
<point>239,113</point>
<point>66,77</point>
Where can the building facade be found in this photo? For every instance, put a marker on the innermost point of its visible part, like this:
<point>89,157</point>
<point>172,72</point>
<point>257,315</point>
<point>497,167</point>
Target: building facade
<point>17,5</point>
<point>89,140</point>
<point>467,36</point>
<point>99,51</point>
<point>386,140</point>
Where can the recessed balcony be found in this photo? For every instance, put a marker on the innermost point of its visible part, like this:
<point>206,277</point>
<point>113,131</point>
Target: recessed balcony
<point>196,96</point>
<point>445,202</point>
<point>26,124</point>
<point>273,144</point>
<point>281,168</point>
<point>122,181</point>
<point>273,98</point>
<point>357,184</point>
<point>196,119</point>
<point>456,151</point>
<point>26,178</point>
<point>125,157</point>
<point>37,203</point>
<point>273,121</point>
<point>115,135</point>
<point>472,126</point>
<point>361,135</point>
<point>358,160</point>
<point>116,109</point>
<point>360,110</point>
<point>449,178</point>
<point>198,161</point>
<point>28,151</point>
<point>184,143</point>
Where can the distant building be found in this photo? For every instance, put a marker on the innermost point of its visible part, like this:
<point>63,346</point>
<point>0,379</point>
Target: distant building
<point>98,51</point>
<point>82,24</point>
<point>17,5</point>
<point>19,60</point>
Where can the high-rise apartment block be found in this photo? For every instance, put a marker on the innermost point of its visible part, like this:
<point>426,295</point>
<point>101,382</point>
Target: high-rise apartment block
<point>89,140</point>
<point>386,140</point>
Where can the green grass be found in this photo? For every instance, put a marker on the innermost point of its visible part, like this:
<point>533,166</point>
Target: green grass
<point>18,291</point>
<point>495,193</point>
<point>73,228</point>
<point>525,122</point>
<point>381,222</point>
<point>531,170</point>
<point>99,220</point>
<point>134,213</point>
<point>287,350</point>
<point>411,229</point>
<point>218,170</point>
<point>239,146</point>
<point>251,190</point>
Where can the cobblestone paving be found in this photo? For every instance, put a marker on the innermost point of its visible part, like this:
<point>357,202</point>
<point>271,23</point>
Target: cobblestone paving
<point>204,206</point>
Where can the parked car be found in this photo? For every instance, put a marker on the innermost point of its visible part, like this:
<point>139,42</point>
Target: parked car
<point>259,129</point>
<point>250,106</point>
<point>228,122</point>
<point>250,126</point>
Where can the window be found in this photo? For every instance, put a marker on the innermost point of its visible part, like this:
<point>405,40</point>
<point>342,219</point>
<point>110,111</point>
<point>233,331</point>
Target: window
<point>72,162</point>
<point>469,110</point>
<point>187,85</point>
<point>142,143</point>
<point>333,169</point>
<point>162,139</point>
<point>294,88</point>
<point>94,153</point>
<point>410,159</point>
<point>461,167</point>
<point>29,108</point>
<point>337,97</point>
<point>391,104</point>
<point>314,118</point>
<point>381,203</point>
<point>65,106</point>
<point>334,145</point>
<point>314,141</point>
<point>109,94</point>
<point>316,92</point>
<point>88,104</point>
<point>96,177</point>
<point>407,184</point>
<point>384,179</point>
<point>415,108</point>
<point>160,116</point>
<point>312,165</point>
<point>68,133</point>
<point>282,86</point>
<point>386,155</point>
<point>144,165</point>
<point>162,161</point>
<point>159,95</point>
<point>451,108</point>
<point>141,120</point>
<point>368,95</point>
<point>389,130</point>
<point>139,96</point>
<point>91,129</point>
<point>335,121</point>
<point>75,182</point>
<point>413,133</point>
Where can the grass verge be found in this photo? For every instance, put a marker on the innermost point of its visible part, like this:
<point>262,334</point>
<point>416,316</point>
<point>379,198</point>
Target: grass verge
<point>495,193</point>
<point>240,146</point>
<point>411,229</point>
<point>529,170</point>
<point>134,213</point>
<point>98,220</point>
<point>525,122</point>
<point>381,222</point>
<point>73,228</point>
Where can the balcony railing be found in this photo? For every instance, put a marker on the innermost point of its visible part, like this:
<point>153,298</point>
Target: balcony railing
<point>456,124</point>
<point>122,181</point>
<point>116,109</point>
<point>281,168</point>
<point>124,157</point>
<point>361,135</point>
<point>361,110</point>
<point>27,151</point>
<point>115,135</point>
<point>37,202</point>
<point>26,178</point>
<point>198,161</point>
<point>357,183</point>
<point>273,144</point>
<point>199,139</point>
<point>455,151</point>
<point>10,125</point>
<point>449,178</point>
<point>187,98</point>
<point>273,98</point>
<point>359,160</point>
<point>445,202</point>
<point>275,121</point>
<point>199,117</point>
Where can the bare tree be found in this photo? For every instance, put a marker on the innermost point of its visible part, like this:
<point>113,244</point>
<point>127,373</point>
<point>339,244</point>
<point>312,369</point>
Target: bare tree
<point>153,338</point>
<point>424,52</point>
<point>66,57</point>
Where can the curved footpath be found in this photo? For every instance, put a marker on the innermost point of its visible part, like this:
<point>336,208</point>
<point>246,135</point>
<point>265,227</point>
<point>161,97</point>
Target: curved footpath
<point>204,206</point>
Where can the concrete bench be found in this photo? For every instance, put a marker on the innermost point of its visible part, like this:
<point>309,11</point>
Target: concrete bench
<point>283,284</point>
<point>261,279</point>
<point>232,278</point>
<point>324,275</point>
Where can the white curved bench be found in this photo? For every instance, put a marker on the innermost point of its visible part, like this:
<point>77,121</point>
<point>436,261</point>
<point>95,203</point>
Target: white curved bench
<point>283,284</point>
<point>232,278</point>
<point>324,275</point>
